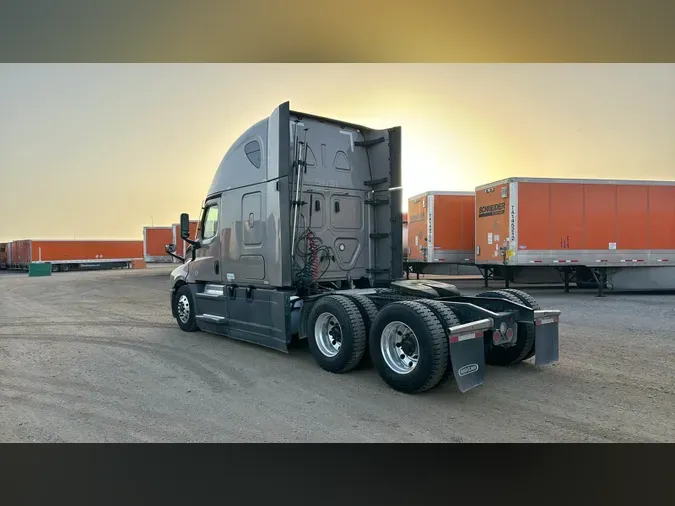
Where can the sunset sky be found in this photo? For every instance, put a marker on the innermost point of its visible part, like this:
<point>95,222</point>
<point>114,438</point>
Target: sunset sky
<point>101,150</point>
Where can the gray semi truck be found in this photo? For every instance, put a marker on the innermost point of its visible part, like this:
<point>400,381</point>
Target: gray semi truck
<point>300,237</point>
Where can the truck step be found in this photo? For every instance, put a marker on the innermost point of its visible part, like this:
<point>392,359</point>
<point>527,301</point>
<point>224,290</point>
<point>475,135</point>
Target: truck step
<point>210,317</point>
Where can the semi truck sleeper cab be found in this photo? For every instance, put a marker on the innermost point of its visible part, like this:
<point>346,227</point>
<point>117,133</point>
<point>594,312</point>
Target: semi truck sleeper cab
<point>300,236</point>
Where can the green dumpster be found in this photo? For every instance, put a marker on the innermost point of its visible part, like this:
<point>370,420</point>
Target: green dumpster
<point>39,269</point>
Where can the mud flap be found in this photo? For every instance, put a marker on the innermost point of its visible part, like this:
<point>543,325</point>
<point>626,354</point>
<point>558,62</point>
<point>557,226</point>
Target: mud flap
<point>546,337</point>
<point>467,353</point>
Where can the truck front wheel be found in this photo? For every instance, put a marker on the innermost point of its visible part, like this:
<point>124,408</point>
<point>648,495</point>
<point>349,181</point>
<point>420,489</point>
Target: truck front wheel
<point>408,347</point>
<point>185,309</point>
<point>337,339</point>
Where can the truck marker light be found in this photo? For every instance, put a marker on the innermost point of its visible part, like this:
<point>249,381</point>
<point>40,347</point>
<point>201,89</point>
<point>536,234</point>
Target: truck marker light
<point>509,333</point>
<point>496,336</point>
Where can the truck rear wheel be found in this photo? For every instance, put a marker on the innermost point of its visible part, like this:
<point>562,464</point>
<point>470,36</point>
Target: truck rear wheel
<point>499,355</point>
<point>525,298</point>
<point>409,347</point>
<point>369,312</point>
<point>185,309</point>
<point>337,331</point>
<point>530,302</point>
<point>448,319</point>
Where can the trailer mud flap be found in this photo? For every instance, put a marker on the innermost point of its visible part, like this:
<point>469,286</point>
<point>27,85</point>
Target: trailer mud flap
<point>546,337</point>
<point>467,353</point>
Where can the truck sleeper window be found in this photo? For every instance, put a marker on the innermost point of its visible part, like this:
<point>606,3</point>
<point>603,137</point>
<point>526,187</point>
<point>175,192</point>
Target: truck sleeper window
<point>252,150</point>
<point>210,222</point>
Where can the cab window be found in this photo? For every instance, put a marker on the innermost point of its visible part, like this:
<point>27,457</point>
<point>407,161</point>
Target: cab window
<point>210,222</point>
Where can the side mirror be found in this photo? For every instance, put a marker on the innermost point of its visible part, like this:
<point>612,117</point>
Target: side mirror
<point>185,226</point>
<point>171,251</point>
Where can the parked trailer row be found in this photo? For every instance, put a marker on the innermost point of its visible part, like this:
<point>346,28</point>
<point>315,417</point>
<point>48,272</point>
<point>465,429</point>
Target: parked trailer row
<point>591,233</point>
<point>603,233</point>
<point>72,255</point>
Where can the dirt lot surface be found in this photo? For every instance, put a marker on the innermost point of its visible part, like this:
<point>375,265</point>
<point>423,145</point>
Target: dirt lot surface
<point>96,356</point>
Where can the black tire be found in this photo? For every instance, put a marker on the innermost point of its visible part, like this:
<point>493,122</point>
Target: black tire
<point>367,308</point>
<point>369,312</point>
<point>524,297</point>
<point>500,294</point>
<point>448,319</point>
<point>444,313</point>
<point>433,346</point>
<point>352,333</point>
<point>530,302</point>
<point>498,355</point>
<point>185,298</point>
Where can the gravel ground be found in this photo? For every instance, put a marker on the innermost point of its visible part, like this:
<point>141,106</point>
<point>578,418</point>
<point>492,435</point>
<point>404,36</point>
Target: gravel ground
<point>97,357</point>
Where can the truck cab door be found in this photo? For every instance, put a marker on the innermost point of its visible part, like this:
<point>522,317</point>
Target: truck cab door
<point>207,264</point>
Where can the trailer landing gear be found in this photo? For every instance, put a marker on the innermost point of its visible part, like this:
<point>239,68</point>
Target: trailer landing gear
<point>600,276</point>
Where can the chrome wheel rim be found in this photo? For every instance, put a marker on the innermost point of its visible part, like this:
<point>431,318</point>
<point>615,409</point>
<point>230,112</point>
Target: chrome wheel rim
<point>328,334</point>
<point>400,348</point>
<point>183,309</point>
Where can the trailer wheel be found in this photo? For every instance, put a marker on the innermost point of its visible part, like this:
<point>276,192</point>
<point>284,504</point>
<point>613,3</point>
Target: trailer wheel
<point>337,333</point>
<point>369,312</point>
<point>530,302</point>
<point>498,355</point>
<point>185,309</point>
<point>409,347</point>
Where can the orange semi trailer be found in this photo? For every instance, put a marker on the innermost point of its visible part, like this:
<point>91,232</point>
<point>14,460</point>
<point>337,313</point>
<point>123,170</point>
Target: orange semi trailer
<point>603,233</point>
<point>74,255</point>
<point>155,240</point>
<point>440,231</point>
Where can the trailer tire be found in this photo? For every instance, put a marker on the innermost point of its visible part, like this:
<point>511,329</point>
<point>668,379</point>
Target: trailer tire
<point>430,343</point>
<point>184,302</point>
<point>530,302</point>
<point>326,313</point>
<point>497,355</point>
<point>369,312</point>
